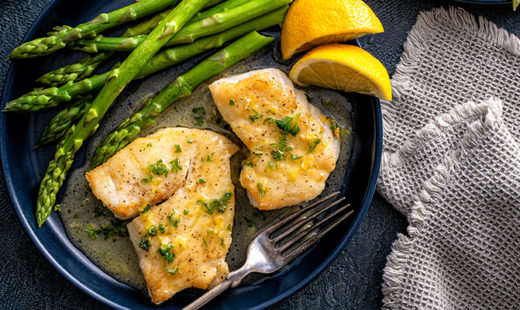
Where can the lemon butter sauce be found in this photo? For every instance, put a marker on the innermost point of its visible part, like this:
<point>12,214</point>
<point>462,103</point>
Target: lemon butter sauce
<point>82,214</point>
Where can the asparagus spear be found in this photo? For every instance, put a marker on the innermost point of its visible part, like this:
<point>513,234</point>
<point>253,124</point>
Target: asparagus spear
<point>223,7</point>
<point>85,67</point>
<point>119,44</point>
<point>176,54</point>
<point>50,97</point>
<point>182,86</point>
<point>73,72</point>
<point>63,35</point>
<point>114,85</point>
<point>39,99</point>
<point>515,4</point>
<point>211,23</point>
<point>60,124</point>
<point>146,26</point>
<point>221,21</point>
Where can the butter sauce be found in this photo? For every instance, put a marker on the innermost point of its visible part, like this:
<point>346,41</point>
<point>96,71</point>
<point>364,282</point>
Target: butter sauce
<point>116,255</point>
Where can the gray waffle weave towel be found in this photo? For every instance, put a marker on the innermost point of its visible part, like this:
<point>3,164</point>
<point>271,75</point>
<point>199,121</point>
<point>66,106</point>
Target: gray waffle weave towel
<point>451,164</point>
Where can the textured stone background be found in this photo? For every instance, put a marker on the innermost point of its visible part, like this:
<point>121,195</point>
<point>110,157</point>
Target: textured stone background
<point>27,280</point>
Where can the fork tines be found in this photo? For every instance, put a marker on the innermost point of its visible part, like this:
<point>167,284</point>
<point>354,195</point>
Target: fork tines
<point>298,232</point>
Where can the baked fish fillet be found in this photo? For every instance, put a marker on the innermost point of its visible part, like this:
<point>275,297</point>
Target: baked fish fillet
<point>293,149</point>
<point>183,241</point>
<point>145,172</point>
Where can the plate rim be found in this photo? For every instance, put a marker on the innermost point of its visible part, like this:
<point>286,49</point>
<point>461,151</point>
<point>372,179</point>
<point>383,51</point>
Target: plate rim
<point>32,233</point>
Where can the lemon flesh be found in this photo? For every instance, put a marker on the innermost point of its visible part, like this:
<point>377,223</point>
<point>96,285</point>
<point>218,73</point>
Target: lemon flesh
<point>343,67</point>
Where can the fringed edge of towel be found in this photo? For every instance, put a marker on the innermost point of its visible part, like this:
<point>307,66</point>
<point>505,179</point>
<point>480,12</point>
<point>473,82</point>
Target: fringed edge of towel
<point>490,113</point>
<point>420,34</point>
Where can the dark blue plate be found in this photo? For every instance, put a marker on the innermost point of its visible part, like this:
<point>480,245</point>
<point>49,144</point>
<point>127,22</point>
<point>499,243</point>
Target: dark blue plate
<point>24,167</point>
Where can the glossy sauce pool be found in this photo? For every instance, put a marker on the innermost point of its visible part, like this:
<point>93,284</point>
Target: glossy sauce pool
<point>116,255</point>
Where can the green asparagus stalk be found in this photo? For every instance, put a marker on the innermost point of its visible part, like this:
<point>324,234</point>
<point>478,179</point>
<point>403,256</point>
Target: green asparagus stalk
<point>211,23</point>
<point>39,99</point>
<point>63,35</point>
<point>114,85</point>
<point>50,97</point>
<point>86,66</point>
<point>219,22</point>
<point>60,124</point>
<point>148,25</point>
<point>73,72</point>
<point>223,7</point>
<point>129,42</point>
<point>182,86</point>
<point>176,54</point>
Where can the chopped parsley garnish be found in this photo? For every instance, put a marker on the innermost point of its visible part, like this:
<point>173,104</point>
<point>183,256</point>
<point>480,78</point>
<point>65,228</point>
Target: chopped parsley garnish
<point>92,231</point>
<point>146,208</point>
<point>294,157</point>
<point>332,124</point>
<point>144,244</point>
<point>158,169</point>
<point>248,222</point>
<point>258,153</point>
<point>261,190</point>
<point>269,119</point>
<point>289,125</point>
<point>283,144</point>
<point>202,181</point>
<point>177,148</point>
<point>186,212</point>
<point>229,227</point>
<point>219,204</point>
<point>208,159</point>
<point>271,165</point>
<point>247,163</point>
<point>190,141</point>
<point>231,102</point>
<point>205,242</point>
<point>222,244</point>
<point>327,103</point>
<point>116,228</point>
<point>151,232</point>
<point>205,204</point>
<point>149,145</point>
<point>176,167</point>
<point>98,212</point>
<point>168,257</point>
<point>198,114</point>
<point>174,221</point>
<point>172,272</point>
<point>161,228</point>
<point>313,145</point>
<point>255,116</point>
<point>57,208</point>
<point>166,253</point>
<point>278,155</point>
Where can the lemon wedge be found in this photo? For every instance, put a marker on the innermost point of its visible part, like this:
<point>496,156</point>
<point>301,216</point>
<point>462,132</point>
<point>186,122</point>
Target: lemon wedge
<point>309,23</point>
<point>343,67</point>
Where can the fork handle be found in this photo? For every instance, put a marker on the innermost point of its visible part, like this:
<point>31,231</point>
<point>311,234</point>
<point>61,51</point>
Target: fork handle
<point>209,295</point>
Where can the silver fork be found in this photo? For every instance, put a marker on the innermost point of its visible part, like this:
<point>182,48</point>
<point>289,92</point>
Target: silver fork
<point>277,245</point>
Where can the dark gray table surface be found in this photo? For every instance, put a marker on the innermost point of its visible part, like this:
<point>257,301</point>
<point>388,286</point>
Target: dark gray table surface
<point>353,281</point>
